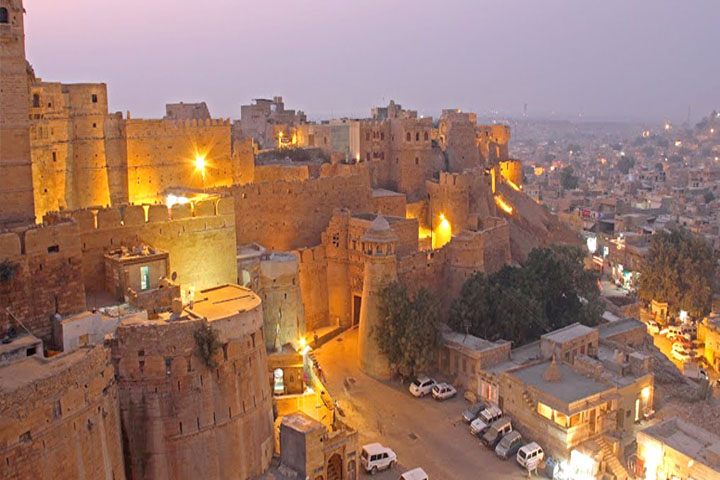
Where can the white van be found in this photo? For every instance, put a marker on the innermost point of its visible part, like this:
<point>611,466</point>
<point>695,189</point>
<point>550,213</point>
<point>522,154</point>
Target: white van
<point>375,457</point>
<point>414,474</point>
<point>530,455</point>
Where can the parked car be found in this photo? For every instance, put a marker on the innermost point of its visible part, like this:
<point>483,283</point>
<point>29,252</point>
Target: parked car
<point>497,430</point>
<point>509,445</point>
<point>484,420</point>
<point>472,412</point>
<point>443,391</point>
<point>675,332</point>
<point>653,327</point>
<point>414,474</point>
<point>529,456</point>
<point>375,457</point>
<point>421,386</point>
<point>679,352</point>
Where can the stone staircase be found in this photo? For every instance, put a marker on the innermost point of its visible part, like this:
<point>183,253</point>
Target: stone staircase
<point>612,462</point>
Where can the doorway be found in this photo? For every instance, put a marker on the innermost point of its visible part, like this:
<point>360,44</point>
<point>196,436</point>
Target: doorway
<point>357,303</point>
<point>335,467</point>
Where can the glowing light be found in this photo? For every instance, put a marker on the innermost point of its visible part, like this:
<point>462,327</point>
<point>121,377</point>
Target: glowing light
<point>171,200</point>
<point>678,143</point>
<point>652,455</point>
<point>514,186</point>
<point>539,171</point>
<point>712,130</point>
<point>645,393</point>
<point>503,204</point>
<point>200,164</point>
<point>683,315</point>
<point>592,244</point>
<point>443,232</point>
<point>668,126</point>
<point>581,466</point>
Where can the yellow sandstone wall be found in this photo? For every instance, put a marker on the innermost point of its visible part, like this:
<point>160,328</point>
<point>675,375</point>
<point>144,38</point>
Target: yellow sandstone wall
<point>162,154</point>
<point>60,418</point>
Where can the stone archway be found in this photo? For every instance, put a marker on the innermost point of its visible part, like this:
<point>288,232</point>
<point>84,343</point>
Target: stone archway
<point>335,467</point>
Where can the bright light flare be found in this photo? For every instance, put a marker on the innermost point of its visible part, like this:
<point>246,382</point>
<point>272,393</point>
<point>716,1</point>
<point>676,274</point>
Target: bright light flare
<point>514,185</point>
<point>443,232</point>
<point>171,200</point>
<point>503,204</point>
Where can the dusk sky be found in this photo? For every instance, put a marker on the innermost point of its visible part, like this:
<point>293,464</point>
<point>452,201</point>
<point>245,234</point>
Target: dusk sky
<point>610,59</point>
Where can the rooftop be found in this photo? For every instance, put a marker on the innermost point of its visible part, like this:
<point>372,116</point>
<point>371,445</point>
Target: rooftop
<point>381,192</point>
<point>689,439</point>
<point>620,326</point>
<point>568,333</point>
<point>23,372</point>
<point>571,387</point>
<point>301,422</point>
<point>470,341</point>
<point>221,302</point>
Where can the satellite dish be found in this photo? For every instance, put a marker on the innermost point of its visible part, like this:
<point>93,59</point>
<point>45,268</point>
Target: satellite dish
<point>174,276</point>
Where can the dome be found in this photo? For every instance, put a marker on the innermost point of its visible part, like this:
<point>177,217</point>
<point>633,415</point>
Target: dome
<point>379,231</point>
<point>380,224</point>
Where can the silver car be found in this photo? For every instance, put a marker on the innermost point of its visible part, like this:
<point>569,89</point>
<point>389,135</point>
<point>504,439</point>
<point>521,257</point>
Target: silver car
<point>472,412</point>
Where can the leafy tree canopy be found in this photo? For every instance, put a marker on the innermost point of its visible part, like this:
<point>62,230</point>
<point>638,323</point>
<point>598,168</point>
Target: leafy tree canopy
<point>409,332</point>
<point>551,290</point>
<point>568,180</point>
<point>679,269</point>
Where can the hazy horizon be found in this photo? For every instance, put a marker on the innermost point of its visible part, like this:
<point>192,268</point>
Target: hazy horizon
<point>646,60</point>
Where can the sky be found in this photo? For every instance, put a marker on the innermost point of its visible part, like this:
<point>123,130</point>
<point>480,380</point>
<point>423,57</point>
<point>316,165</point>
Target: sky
<point>645,60</point>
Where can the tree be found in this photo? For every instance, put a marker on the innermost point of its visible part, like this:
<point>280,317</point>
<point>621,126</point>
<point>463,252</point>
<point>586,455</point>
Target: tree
<point>679,269</point>
<point>208,344</point>
<point>708,196</point>
<point>551,290</point>
<point>567,178</point>
<point>408,333</point>
<point>625,163</point>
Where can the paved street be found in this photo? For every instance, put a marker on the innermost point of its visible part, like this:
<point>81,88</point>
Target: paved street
<point>422,432</point>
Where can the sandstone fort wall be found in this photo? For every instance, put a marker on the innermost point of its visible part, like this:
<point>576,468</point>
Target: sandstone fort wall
<point>47,276</point>
<point>60,419</point>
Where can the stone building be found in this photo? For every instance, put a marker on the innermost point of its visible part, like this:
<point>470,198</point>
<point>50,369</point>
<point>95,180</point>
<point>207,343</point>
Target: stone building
<point>137,269</point>
<point>59,417</point>
<point>187,111</point>
<point>709,334</point>
<point>260,121</point>
<point>378,245</point>
<point>309,450</point>
<point>16,194</point>
<point>283,312</point>
<point>185,416</point>
<point>675,448</point>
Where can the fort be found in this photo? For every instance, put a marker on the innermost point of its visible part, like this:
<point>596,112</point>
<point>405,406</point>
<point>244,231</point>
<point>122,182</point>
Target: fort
<point>156,262</point>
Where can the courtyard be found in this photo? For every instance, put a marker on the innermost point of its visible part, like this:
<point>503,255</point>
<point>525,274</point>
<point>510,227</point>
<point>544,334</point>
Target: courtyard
<point>422,432</point>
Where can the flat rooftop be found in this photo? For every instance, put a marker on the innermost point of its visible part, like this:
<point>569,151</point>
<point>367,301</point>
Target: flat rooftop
<point>688,439</point>
<point>382,192</point>
<point>301,422</point>
<point>620,326</point>
<point>571,387</point>
<point>17,374</point>
<point>568,333</point>
<point>469,341</point>
<point>222,302</point>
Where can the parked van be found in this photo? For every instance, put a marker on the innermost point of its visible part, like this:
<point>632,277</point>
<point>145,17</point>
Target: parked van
<point>375,457</point>
<point>414,474</point>
<point>509,445</point>
<point>484,420</point>
<point>496,432</point>
<point>530,455</point>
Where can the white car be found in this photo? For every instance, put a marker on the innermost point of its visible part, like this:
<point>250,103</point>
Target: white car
<point>443,391</point>
<point>653,327</point>
<point>679,352</point>
<point>422,386</point>
<point>375,457</point>
<point>414,474</point>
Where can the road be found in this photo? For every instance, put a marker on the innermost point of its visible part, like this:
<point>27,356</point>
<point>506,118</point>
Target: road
<point>423,432</point>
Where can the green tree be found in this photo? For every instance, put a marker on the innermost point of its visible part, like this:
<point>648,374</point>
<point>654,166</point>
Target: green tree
<point>567,178</point>
<point>549,291</point>
<point>408,333</point>
<point>679,268</point>
<point>625,163</point>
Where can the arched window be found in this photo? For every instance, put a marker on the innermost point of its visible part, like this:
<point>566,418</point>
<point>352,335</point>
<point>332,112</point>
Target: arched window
<point>407,137</point>
<point>36,101</point>
<point>426,136</point>
<point>417,136</point>
<point>4,16</point>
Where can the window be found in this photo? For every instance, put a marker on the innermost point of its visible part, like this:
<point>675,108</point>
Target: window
<point>417,136</point>
<point>407,137</point>
<point>4,17</point>
<point>94,98</point>
<point>53,248</point>
<point>426,136</point>
<point>36,100</point>
<point>144,277</point>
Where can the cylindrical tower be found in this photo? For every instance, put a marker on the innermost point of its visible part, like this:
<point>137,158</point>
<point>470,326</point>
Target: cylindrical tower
<point>16,193</point>
<point>279,287</point>
<point>195,399</point>
<point>378,244</point>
